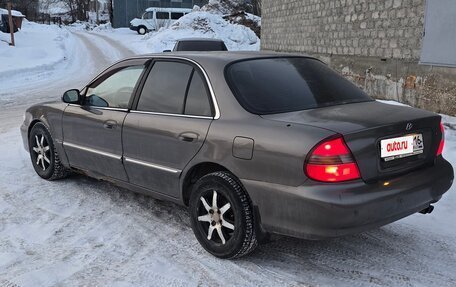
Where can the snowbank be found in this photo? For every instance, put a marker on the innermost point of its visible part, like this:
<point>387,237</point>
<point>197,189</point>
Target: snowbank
<point>39,48</point>
<point>200,24</point>
<point>224,7</point>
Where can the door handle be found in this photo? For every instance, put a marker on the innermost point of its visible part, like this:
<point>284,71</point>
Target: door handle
<point>110,124</point>
<point>188,137</point>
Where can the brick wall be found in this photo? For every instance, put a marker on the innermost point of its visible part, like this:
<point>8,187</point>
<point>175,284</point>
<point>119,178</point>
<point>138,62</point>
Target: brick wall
<point>389,29</point>
<point>375,43</point>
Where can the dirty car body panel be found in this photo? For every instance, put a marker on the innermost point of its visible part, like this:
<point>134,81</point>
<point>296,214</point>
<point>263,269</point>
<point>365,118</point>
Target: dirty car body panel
<point>156,152</point>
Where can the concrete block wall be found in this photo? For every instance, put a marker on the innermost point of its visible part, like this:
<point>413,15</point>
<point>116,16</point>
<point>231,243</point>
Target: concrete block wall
<point>376,44</point>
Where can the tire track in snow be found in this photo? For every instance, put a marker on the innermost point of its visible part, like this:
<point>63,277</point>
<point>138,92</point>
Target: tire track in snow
<point>124,50</point>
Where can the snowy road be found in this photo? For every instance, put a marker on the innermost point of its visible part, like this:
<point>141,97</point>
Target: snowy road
<point>82,232</point>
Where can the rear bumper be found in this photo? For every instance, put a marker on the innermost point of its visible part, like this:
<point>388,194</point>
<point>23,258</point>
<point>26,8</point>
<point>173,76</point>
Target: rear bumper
<point>317,211</point>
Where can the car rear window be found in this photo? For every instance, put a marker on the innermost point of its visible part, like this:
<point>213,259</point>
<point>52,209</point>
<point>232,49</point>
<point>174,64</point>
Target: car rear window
<point>175,15</point>
<point>280,85</point>
<point>201,46</point>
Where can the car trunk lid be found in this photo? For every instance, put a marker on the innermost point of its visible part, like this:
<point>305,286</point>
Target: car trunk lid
<point>364,125</point>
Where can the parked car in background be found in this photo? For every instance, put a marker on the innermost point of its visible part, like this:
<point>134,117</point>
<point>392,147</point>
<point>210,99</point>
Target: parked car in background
<point>253,143</point>
<point>154,18</point>
<point>199,44</point>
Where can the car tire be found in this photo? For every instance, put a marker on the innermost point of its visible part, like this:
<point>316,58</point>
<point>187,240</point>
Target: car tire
<point>142,30</point>
<point>44,156</point>
<point>232,209</point>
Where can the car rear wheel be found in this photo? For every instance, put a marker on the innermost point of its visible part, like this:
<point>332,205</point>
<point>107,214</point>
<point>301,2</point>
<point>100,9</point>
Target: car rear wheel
<point>142,30</point>
<point>222,216</point>
<point>45,159</point>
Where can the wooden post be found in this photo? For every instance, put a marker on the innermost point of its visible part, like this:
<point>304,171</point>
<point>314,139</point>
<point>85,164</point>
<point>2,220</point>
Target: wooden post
<point>11,26</point>
<point>96,9</point>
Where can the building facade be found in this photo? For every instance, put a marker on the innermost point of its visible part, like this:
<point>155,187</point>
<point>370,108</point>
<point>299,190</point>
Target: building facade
<point>401,50</point>
<point>125,10</point>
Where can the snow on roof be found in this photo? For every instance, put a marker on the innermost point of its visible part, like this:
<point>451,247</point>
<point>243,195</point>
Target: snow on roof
<point>13,12</point>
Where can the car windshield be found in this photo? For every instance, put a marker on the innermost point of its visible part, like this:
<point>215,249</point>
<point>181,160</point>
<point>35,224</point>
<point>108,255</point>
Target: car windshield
<point>201,46</point>
<point>287,84</point>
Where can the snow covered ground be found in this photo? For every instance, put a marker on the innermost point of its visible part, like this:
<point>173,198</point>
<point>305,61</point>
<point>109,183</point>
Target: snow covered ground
<point>83,232</point>
<point>39,48</point>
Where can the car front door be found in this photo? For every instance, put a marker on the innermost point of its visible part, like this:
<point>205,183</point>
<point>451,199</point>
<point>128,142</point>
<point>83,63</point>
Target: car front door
<point>149,18</point>
<point>168,127</point>
<point>92,131</point>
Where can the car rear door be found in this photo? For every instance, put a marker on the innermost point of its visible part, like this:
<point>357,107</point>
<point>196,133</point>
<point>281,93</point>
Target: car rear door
<point>92,131</point>
<point>168,127</point>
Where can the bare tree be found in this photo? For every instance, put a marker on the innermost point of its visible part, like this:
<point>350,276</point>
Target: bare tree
<point>257,7</point>
<point>28,7</point>
<point>72,8</point>
<point>78,9</point>
<point>110,10</point>
<point>46,4</point>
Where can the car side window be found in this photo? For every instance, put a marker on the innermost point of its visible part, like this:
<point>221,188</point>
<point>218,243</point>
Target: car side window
<point>162,15</point>
<point>165,88</point>
<point>114,91</point>
<point>176,15</point>
<point>197,102</point>
<point>149,15</point>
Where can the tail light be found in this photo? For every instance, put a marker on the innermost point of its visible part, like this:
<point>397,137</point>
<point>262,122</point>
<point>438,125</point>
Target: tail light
<point>442,141</point>
<point>331,161</point>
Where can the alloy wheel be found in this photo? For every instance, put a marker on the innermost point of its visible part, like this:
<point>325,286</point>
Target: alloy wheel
<point>42,152</point>
<point>214,218</point>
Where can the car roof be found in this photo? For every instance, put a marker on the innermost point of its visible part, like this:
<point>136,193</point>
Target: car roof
<point>221,57</point>
<point>200,39</point>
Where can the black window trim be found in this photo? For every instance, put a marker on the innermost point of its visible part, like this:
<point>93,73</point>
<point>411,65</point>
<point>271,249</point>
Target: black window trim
<point>196,68</point>
<point>187,89</point>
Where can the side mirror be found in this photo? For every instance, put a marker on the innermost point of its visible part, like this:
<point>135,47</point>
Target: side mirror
<point>72,97</point>
<point>96,101</point>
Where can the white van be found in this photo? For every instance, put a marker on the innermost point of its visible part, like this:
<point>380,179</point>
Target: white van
<point>154,18</point>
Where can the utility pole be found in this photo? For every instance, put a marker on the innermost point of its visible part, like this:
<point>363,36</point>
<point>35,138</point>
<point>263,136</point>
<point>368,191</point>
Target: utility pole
<point>10,23</point>
<point>96,9</point>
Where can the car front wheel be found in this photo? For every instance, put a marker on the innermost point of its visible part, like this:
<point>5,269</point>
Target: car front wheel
<point>222,216</point>
<point>142,30</point>
<point>45,159</point>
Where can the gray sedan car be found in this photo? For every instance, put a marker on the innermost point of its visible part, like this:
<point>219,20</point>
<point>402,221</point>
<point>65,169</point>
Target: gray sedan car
<point>253,144</point>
